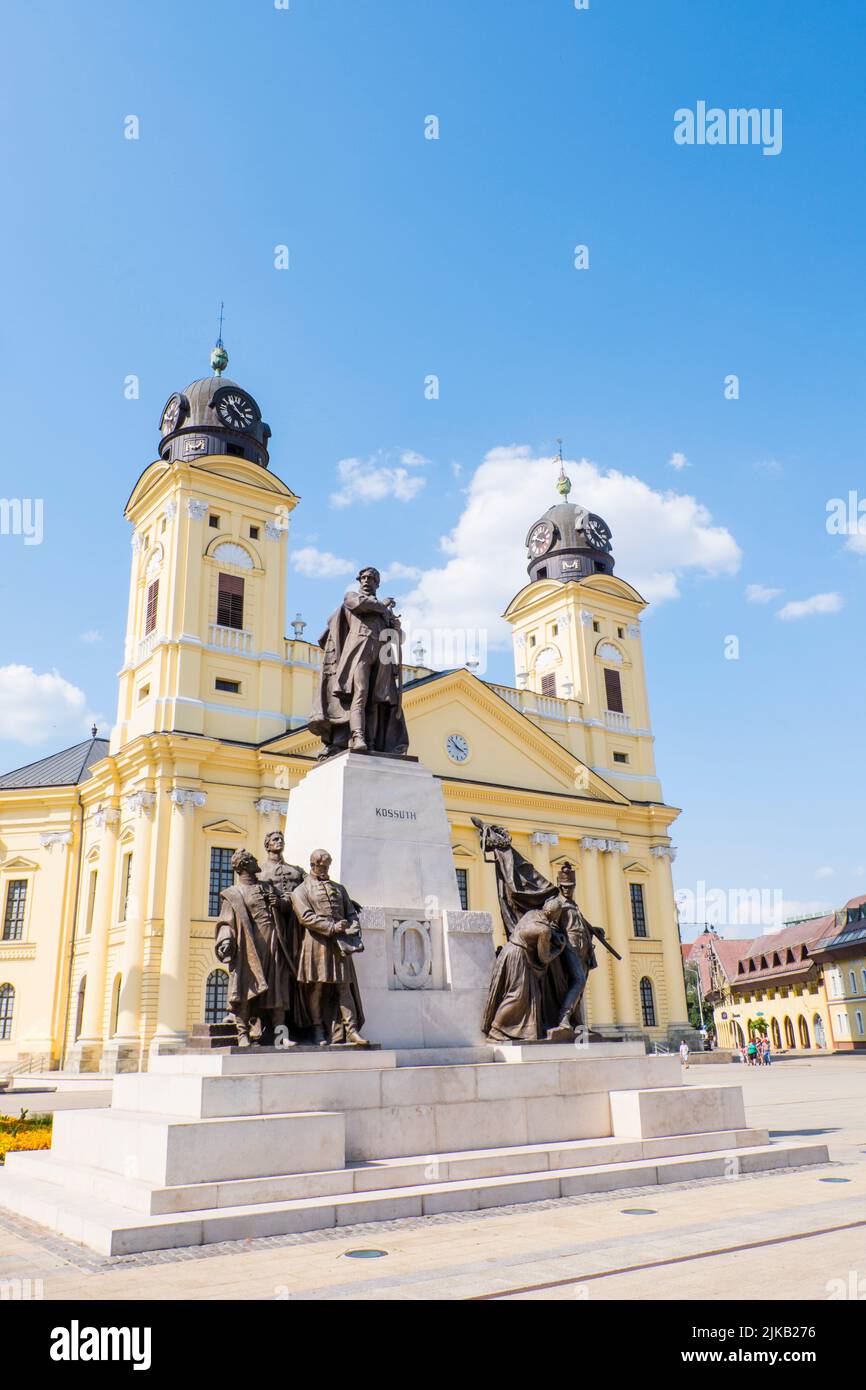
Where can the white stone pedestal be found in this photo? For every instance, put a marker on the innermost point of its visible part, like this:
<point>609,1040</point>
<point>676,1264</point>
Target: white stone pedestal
<point>425,970</point>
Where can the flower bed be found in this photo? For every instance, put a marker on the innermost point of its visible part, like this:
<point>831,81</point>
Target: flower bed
<point>24,1133</point>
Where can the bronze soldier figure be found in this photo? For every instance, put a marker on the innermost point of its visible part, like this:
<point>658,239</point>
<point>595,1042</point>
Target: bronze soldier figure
<point>326,973</point>
<point>358,702</point>
<point>249,941</point>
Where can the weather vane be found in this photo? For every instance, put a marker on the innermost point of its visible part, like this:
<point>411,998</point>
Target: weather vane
<point>219,358</point>
<point>563,482</point>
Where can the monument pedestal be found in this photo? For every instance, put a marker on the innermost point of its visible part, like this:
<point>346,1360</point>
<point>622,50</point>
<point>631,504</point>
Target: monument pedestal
<point>426,966</point>
<point>224,1145</point>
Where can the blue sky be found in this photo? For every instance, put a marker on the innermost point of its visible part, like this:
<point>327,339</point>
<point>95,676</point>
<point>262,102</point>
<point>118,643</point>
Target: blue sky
<point>454,257</point>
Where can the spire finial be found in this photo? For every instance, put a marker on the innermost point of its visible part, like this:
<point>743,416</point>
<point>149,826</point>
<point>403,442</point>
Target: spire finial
<point>219,358</point>
<point>563,482</point>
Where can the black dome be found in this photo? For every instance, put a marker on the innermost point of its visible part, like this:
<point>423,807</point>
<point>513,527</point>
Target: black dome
<point>568,542</point>
<point>214,415</point>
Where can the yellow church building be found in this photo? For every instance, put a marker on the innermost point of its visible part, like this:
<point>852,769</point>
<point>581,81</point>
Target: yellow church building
<point>113,853</point>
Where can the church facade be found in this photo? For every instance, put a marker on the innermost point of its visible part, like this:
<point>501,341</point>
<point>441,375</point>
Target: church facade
<point>113,853</point>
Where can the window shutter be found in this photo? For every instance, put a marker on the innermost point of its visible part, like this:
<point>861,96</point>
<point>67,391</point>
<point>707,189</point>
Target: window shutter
<point>548,685</point>
<point>150,607</point>
<point>230,601</point>
<point>613,691</point>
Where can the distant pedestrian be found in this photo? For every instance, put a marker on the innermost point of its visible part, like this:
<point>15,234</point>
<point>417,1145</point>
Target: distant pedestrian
<point>684,1053</point>
<point>752,1050</point>
<point>767,1058</point>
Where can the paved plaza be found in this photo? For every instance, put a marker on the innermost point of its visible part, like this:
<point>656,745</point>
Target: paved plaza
<point>798,1234</point>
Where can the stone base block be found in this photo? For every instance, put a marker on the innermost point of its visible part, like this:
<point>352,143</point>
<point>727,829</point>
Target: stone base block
<point>676,1110</point>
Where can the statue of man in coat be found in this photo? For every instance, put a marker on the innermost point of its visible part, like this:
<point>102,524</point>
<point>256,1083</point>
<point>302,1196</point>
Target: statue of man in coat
<point>358,703</point>
<point>249,940</point>
<point>326,973</point>
<point>284,878</point>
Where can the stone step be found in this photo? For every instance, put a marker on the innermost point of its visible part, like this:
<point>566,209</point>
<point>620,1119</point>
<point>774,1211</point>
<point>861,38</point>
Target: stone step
<point>153,1199</point>
<point>115,1230</point>
<point>284,1088</point>
<point>173,1150</point>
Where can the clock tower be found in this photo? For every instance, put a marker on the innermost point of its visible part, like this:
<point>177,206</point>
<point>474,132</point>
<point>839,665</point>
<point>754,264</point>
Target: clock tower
<point>205,639</point>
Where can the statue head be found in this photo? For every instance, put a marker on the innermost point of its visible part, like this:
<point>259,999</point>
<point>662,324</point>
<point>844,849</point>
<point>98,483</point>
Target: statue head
<point>552,910</point>
<point>566,880</point>
<point>275,842</point>
<point>369,579</point>
<point>245,862</point>
<point>320,863</point>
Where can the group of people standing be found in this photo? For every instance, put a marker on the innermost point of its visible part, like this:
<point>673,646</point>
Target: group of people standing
<point>288,939</point>
<point>756,1052</point>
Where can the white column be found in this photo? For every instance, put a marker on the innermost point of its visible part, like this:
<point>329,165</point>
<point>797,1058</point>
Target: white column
<point>171,1023</point>
<point>625,1005</point>
<point>600,1011</point>
<point>132,957</point>
<point>666,915</point>
<point>97,959</point>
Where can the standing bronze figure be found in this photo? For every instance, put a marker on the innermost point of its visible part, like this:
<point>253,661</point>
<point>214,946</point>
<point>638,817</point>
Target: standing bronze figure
<point>249,941</point>
<point>358,702</point>
<point>326,972</point>
<point>284,879</point>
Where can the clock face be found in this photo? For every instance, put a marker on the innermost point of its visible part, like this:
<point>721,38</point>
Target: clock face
<point>540,539</point>
<point>457,748</point>
<point>597,533</point>
<point>236,410</point>
<point>172,413</point>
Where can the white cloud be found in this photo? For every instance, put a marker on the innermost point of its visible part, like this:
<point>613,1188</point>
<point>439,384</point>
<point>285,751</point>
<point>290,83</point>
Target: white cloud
<point>657,539</point>
<point>824,872</point>
<point>759,593</point>
<point>35,707</point>
<point>374,480</point>
<point>396,570</point>
<point>772,466</point>
<point>857,542</point>
<point>806,607</point>
<point>91,636</point>
<point>679,462</point>
<point>321,564</point>
<point>457,469</point>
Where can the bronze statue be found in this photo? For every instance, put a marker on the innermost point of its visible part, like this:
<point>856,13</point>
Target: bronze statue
<point>521,888</point>
<point>515,1003</point>
<point>358,703</point>
<point>249,941</point>
<point>326,972</point>
<point>284,879</point>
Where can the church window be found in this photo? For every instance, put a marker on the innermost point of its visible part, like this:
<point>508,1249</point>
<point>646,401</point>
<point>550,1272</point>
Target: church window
<point>613,691</point>
<point>213,521</point>
<point>221,876</point>
<point>13,917</point>
<point>7,1008</point>
<point>596,626</point>
<point>548,685</point>
<point>216,996</point>
<point>620,632</point>
<point>126,880</point>
<point>254,533</point>
<point>115,1005</point>
<point>150,607</point>
<point>235,450</point>
<point>144,691</point>
<point>463,888</point>
<point>554,631</point>
<point>227,687</point>
<point>532,639</point>
<point>91,902</point>
<point>647,1003</point>
<point>638,910</point>
<point>541,574</point>
<point>230,601</point>
<point>620,757</point>
<point>599,566</point>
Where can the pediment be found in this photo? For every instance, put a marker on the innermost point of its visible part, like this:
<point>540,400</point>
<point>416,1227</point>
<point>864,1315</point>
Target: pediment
<point>224,827</point>
<point>637,870</point>
<point>19,862</point>
<point>461,851</point>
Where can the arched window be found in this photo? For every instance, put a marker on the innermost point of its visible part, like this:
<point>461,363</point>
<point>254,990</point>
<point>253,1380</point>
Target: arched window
<point>7,1008</point>
<point>216,996</point>
<point>115,1005</point>
<point>852,975</point>
<point>863,975</point>
<point>79,1008</point>
<point>803,1027</point>
<point>776,1034</point>
<point>647,1003</point>
<point>789,1033</point>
